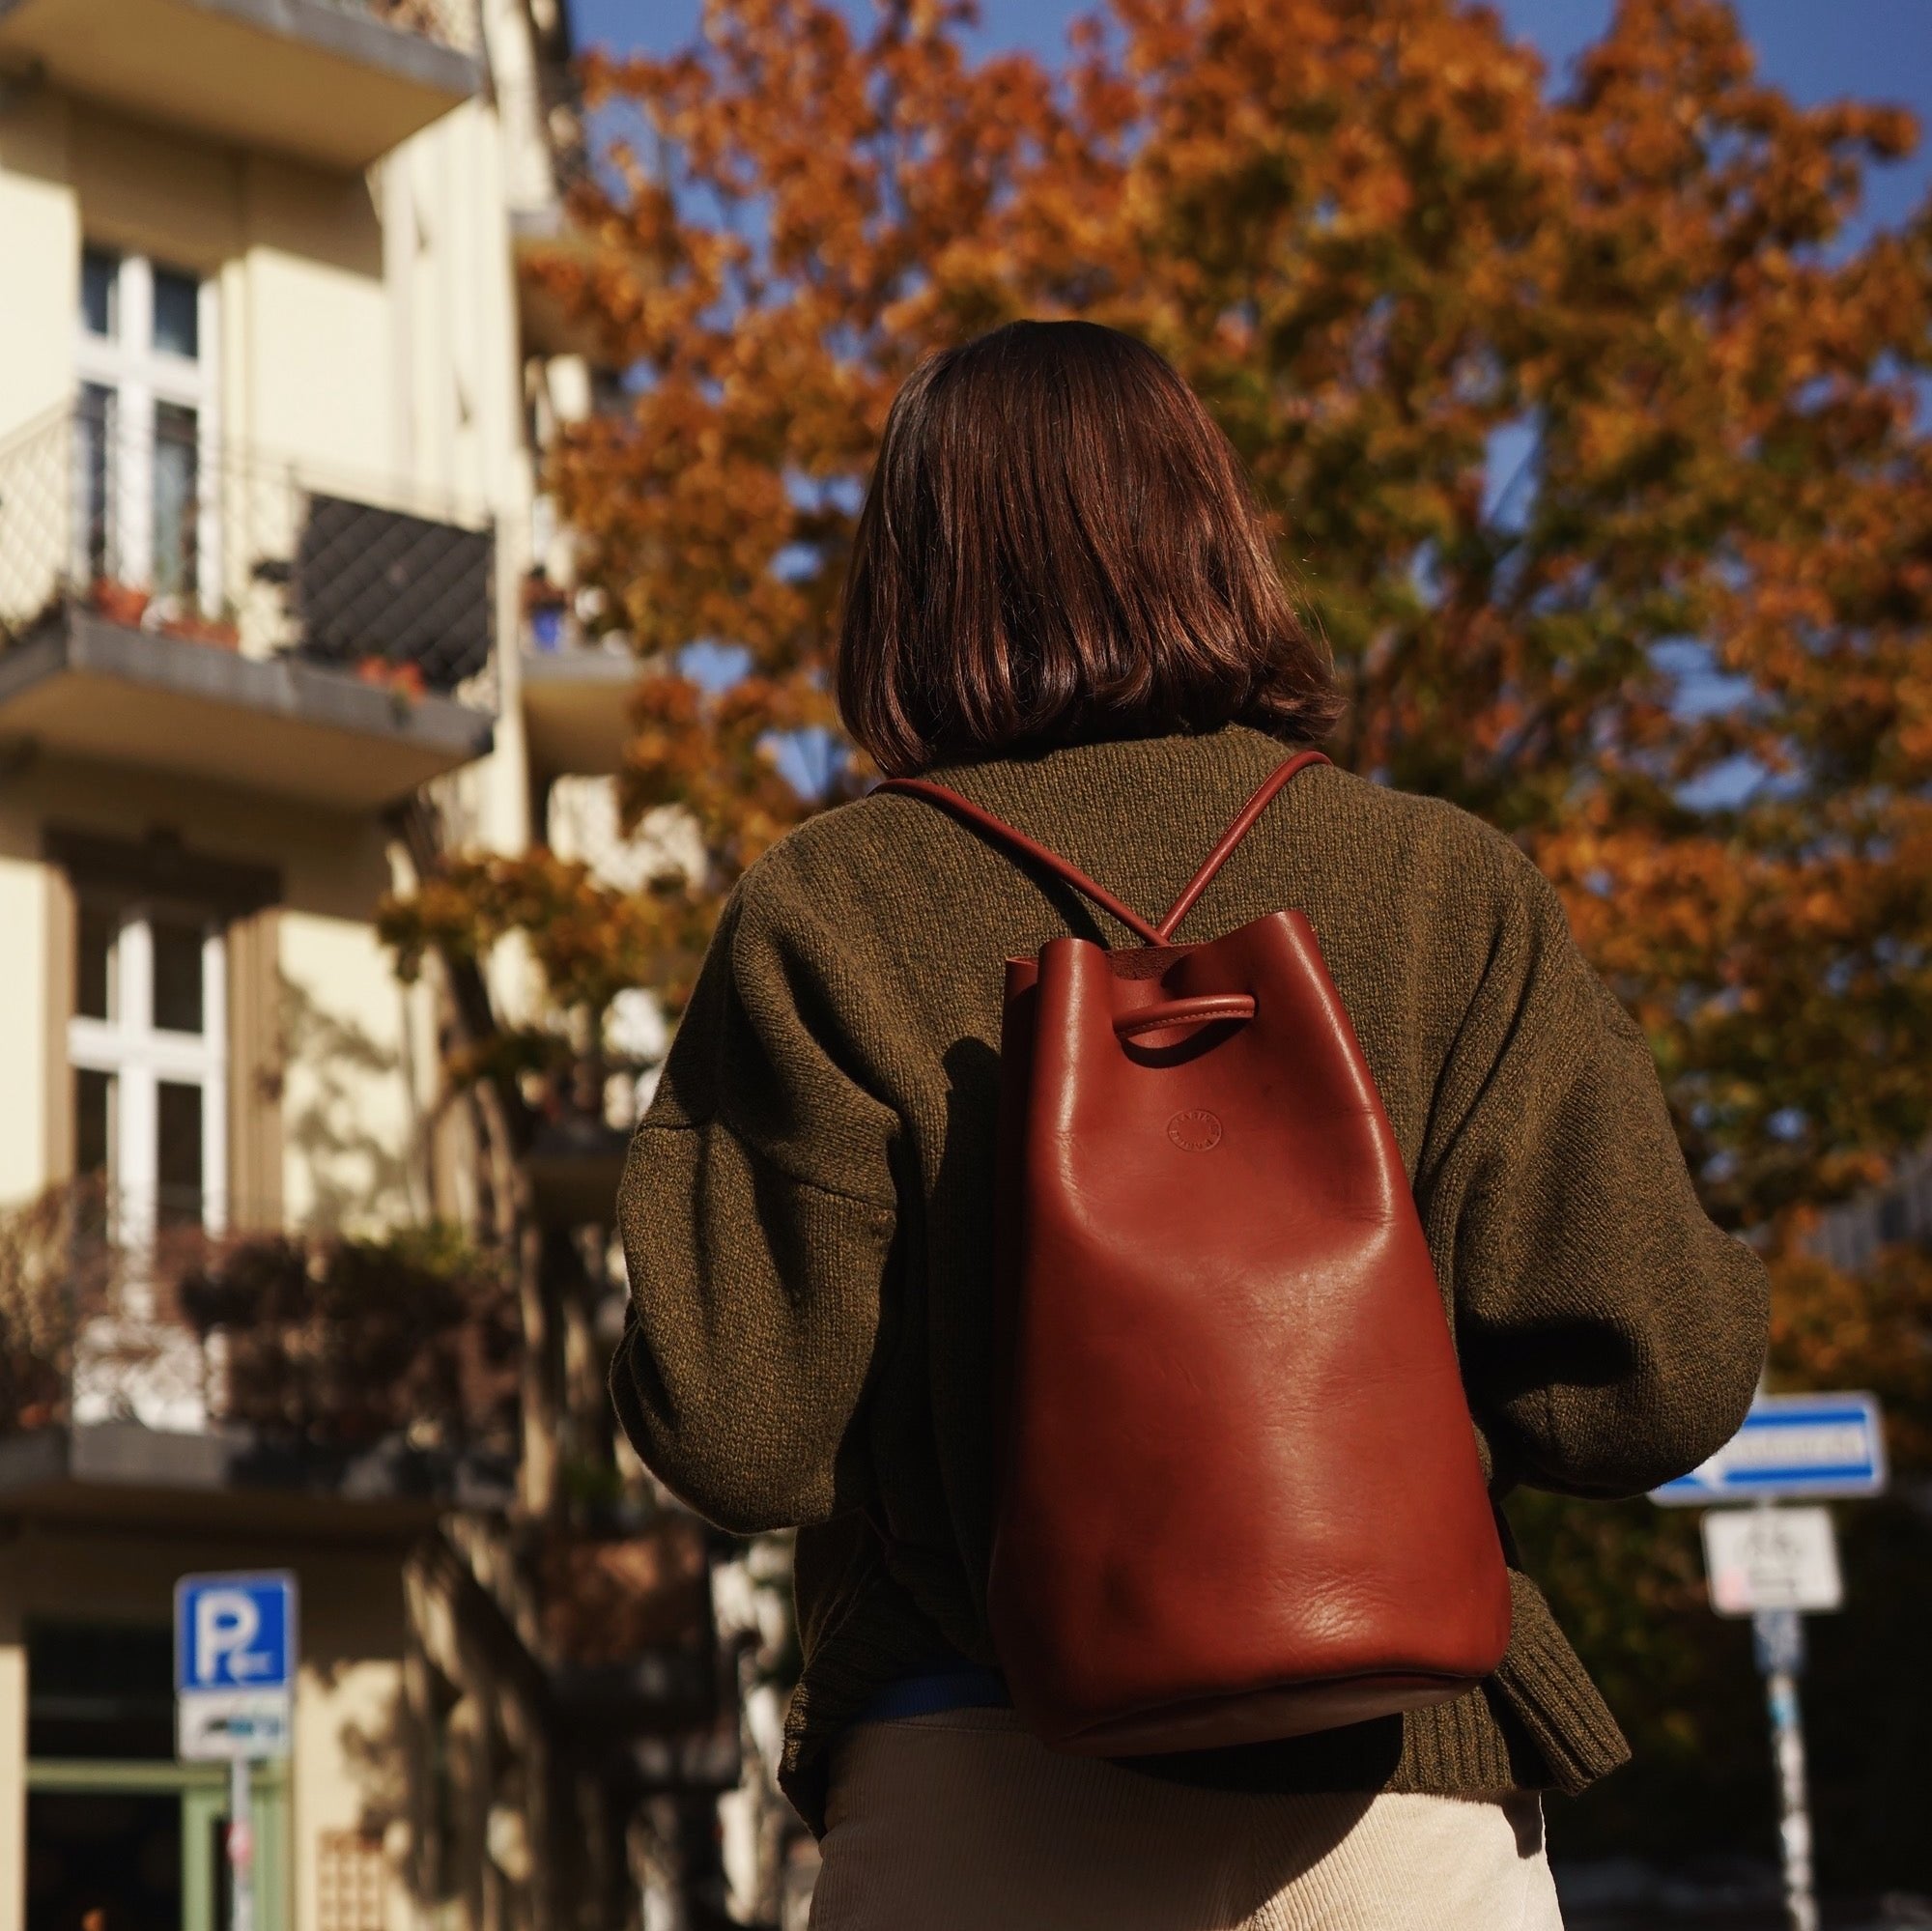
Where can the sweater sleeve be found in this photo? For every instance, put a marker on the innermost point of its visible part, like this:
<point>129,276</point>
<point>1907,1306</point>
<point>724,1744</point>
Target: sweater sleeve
<point>1610,1335</point>
<point>757,1214</point>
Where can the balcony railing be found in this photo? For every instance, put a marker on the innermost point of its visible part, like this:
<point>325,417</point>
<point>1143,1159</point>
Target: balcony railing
<point>449,23</point>
<point>150,521</point>
<point>544,126</point>
<point>329,1344</point>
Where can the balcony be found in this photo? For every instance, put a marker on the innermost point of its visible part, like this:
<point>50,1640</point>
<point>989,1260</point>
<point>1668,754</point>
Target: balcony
<point>178,605</point>
<point>176,1372</point>
<point>335,84</point>
<point>576,699</point>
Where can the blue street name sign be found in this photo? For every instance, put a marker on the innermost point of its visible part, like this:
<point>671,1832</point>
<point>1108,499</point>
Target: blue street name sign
<point>1791,1446</point>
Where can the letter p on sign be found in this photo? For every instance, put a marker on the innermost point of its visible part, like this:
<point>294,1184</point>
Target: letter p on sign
<point>226,1622</point>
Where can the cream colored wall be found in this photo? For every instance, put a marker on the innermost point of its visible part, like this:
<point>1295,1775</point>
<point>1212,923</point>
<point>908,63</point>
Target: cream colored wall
<point>313,331</point>
<point>460,397</point>
<point>369,340</point>
<point>349,1758</point>
<point>353,1157</point>
<point>39,223</point>
<point>147,189</point>
<point>23,1054</point>
<point>351,1743</point>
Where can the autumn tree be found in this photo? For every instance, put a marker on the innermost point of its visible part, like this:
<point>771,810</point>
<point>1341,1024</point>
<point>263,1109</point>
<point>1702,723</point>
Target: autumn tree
<point>1589,414</point>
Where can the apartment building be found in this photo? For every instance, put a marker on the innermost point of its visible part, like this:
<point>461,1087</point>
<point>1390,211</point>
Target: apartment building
<point>272,397</point>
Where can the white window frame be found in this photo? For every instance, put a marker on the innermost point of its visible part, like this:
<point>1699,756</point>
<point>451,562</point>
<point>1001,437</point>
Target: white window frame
<point>140,1056</point>
<point>141,377</point>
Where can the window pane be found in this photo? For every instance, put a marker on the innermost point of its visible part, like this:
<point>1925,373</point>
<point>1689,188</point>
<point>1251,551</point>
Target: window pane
<point>179,1002</point>
<point>95,961</point>
<point>94,1109</point>
<point>177,465</point>
<point>100,1690</point>
<point>100,301</point>
<point>179,1154</point>
<point>177,322</point>
<point>93,474</point>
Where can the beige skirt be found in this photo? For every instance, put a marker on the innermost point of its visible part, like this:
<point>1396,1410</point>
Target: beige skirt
<point>961,1822</point>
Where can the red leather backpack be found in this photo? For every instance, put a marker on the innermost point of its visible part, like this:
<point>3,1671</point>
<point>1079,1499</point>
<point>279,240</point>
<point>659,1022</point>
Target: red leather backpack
<point>1238,1494</point>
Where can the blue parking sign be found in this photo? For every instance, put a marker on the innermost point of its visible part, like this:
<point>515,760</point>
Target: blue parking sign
<point>235,1632</point>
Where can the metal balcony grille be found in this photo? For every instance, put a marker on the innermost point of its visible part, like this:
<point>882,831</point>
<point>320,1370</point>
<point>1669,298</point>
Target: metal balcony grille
<point>167,528</point>
<point>376,583</point>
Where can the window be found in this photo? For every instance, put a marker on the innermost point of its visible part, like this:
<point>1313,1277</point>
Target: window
<point>145,510</point>
<point>100,1690</point>
<point>149,1050</point>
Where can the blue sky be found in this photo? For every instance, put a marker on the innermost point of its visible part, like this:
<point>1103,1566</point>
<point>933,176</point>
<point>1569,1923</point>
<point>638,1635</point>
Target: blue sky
<point>1815,49</point>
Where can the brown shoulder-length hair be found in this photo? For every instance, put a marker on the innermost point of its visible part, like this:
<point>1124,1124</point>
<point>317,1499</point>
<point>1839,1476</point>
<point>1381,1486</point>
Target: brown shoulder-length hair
<point>1059,545</point>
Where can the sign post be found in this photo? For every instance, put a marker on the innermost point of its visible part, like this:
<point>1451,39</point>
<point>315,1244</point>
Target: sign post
<point>1778,1637</point>
<point>235,1671</point>
<point>1774,1565</point>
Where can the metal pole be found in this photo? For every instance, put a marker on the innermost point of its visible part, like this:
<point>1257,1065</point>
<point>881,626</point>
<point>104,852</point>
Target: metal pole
<point>1780,1644</point>
<point>241,1849</point>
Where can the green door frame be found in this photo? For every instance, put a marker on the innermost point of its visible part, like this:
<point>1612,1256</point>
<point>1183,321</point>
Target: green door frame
<point>203,1790</point>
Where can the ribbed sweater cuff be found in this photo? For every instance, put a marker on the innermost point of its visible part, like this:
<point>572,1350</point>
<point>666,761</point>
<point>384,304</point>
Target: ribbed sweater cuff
<point>1548,1691</point>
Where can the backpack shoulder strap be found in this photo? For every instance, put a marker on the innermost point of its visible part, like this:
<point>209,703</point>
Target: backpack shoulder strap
<point>1244,823</point>
<point>1001,833</point>
<point>1005,833</point>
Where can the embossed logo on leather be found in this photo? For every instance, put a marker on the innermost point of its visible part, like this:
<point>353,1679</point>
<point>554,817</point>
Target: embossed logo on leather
<point>1195,1131</point>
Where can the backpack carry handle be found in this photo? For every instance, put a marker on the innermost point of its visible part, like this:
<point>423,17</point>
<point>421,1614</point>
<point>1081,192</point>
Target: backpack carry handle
<point>1161,934</point>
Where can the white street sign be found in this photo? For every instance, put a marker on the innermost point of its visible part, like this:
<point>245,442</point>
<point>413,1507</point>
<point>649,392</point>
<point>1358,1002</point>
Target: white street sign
<point>1771,1559</point>
<point>220,1725</point>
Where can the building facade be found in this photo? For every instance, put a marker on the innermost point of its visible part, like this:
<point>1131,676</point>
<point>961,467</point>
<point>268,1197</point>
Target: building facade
<point>272,399</point>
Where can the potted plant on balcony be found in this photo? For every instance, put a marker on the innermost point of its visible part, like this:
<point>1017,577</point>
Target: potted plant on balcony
<point>176,615</point>
<point>404,681</point>
<point>220,633</point>
<point>117,602</point>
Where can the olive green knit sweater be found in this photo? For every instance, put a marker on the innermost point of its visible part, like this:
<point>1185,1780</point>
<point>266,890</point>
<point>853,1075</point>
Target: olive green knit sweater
<point>806,1208</point>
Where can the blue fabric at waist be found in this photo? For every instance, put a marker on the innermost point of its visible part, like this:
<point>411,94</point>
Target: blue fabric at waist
<point>956,1685</point>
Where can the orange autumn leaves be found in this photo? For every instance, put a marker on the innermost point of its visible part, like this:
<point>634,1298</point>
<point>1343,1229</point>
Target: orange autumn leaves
<point>1683,659</point>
